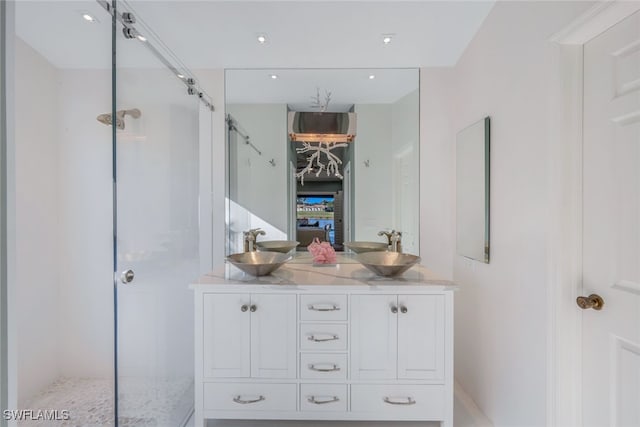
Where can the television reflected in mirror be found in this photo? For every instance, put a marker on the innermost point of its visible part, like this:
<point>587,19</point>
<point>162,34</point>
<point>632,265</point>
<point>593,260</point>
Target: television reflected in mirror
<point>472,191</point>
<point>326,153</point>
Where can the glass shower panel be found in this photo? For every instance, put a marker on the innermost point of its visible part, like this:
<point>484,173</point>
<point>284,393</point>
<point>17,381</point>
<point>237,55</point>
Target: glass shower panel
<point>63,299</point>
<point>157,256</point>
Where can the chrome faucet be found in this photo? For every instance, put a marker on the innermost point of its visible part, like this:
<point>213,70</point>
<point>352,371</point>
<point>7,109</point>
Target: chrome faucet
<point>249,238</point>
<point>394,239</point>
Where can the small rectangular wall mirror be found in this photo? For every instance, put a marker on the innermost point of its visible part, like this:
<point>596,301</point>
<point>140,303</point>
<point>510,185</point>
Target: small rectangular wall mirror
<point>472,191</point>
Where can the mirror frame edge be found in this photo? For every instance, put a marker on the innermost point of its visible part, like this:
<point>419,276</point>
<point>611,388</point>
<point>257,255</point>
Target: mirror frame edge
<point>487,187</point>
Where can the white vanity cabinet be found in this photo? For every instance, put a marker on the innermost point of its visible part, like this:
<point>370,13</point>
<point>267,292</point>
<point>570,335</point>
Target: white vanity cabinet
<point>398,337</point>
<point>249,335</point>
<point>305,345</point>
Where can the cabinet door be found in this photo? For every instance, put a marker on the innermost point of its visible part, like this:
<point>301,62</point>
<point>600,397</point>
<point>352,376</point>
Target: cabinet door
<point>373,337</point>
<point>226,339</point>
<point>421,337</point>
<point>273,336</point>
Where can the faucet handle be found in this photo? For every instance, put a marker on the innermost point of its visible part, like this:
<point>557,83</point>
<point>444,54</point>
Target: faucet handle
<point>387,234</point>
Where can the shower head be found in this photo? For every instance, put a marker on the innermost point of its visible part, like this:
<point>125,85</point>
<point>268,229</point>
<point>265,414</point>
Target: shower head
<point>108,120</point>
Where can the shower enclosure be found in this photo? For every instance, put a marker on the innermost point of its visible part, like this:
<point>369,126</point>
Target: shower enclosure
<point>109,129</point>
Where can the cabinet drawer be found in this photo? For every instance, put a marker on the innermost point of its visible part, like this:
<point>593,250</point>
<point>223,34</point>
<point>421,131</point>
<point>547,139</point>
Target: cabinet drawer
<point>323,307</point>
<point>316,336</point>
<point>404,401</point>
<point>323,397</point>
<point>249,397</point>
<point>323,365</point>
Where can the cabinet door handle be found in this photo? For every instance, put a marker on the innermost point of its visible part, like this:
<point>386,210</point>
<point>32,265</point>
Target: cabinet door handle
<point>244,308</point>
<point>403,309</point>
<point>394,309</point>
<point>253,308</point>
<point>334,368</point>
<point>240,400</point>
<point>312,399</point>
<point>329,338</point>
<point>332,307</point>
<point>399,401</point>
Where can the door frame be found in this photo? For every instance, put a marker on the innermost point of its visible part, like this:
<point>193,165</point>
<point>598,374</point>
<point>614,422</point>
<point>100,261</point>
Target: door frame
<point>564,324</point>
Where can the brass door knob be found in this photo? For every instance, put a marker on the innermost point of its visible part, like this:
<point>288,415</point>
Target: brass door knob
<point>594,301</point>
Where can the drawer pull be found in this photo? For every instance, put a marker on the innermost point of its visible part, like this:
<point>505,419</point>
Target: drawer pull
<point>328,338</point>
<point>332,307</point>
<point>312,399</point>
<point>238,399</point>
<point>397,401</point>
<point>334,368</point>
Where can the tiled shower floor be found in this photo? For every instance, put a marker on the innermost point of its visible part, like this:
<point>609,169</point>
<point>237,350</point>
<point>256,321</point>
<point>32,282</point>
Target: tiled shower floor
<point>89,402</point>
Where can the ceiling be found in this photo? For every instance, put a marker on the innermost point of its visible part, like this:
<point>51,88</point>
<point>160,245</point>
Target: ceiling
<point>298,87</point>
<point>300,34</point>
<point>316,34</point>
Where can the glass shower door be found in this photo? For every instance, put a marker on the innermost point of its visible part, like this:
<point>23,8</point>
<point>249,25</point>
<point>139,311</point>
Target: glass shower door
<point>157,234</point>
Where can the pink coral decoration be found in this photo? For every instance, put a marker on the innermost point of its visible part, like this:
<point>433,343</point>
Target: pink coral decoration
<point>322,252</point>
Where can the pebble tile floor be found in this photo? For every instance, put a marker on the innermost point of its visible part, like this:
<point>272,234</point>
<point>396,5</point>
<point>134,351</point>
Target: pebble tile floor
<point>90,402</point>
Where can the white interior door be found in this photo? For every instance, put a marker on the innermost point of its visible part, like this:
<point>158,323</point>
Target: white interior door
<point>611,227</point>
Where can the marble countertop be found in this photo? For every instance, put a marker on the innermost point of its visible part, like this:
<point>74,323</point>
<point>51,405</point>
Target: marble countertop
<point>301,272</point>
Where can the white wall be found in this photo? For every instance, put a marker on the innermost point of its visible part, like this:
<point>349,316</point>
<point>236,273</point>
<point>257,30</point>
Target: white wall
<point>64,217</point>
<point>437,189</point>
<point>405,124</point>
<point>507,72</point>
<point>85,245</point>
<point>373,194</point>
<point>37,220</point>
<point>259,189</point>
<point>386,191</point>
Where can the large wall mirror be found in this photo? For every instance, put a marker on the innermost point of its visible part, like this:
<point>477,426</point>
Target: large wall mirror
<point>472,191</point>
<point>361,178</point>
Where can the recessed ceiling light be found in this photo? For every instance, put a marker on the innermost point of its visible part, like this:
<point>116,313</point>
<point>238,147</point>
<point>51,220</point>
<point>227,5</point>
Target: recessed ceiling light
<point>142,38</point>
<point>88,18</point>
<point>372,76</point>
<point>262,39</point>
<point>274,76</point>
<point>386,38</point>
